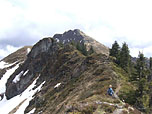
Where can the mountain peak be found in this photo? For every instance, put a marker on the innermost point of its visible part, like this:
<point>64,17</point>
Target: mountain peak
<point>77,35</point>
<point>70,35</point>
<point>75,32</point>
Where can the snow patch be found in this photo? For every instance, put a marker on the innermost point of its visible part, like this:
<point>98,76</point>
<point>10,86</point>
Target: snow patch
<point>57,85</point>
<point>57,40</point>
<point>5,65</point>
<point>29,98</point>
<point>5,78</point>
<point>28,50</point>
<point>40,112</point>
<point>2,64</point>
<point>32,111</point>
<point>15,101</point>
<point>17,78</point>
<point>25,72</point>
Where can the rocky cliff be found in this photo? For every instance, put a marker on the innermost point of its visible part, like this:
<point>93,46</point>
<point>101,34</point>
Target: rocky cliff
<point>33,66</point>
<point>56,78</point>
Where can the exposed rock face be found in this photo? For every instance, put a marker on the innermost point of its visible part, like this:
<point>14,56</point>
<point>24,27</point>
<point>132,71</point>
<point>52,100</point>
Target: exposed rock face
<point>33,65</point>
<point>78,36</point>
<point>42,46</point>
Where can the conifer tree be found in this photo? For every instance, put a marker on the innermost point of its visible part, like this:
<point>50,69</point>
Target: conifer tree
<point>142,83</point>
<point>150,84</point>
<point>150,63</point>
<point>91,50</point>
<point>78,46</point>
<point>141,66</point>
<point>73,43</point>
<point>125,57</point>
<point>115,51</point>
<point>133,71</point>
<point>82,48</point>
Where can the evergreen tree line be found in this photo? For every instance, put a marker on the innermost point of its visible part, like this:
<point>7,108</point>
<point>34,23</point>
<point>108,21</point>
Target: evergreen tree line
<point>139,74</point>
<point>80,46</point>
<point>122,56</point>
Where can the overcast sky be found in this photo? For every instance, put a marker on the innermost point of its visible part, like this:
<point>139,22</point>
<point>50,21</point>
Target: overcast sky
<point>24,22</point>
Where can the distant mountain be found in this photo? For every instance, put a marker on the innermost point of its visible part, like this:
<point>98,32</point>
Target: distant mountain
<point>54,77</point>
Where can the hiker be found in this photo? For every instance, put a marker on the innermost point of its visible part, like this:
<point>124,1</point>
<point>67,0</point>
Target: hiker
<point>110,91</point>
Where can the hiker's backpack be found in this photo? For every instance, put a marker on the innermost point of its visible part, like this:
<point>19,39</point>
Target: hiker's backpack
<point>110,91</point>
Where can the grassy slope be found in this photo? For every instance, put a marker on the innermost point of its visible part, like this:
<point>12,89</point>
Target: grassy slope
<point>19,55</point>
<point>84,85</point>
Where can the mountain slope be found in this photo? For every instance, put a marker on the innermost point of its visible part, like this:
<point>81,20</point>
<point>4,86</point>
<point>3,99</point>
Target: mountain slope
<point>19,55</point>
<point>13,60</point>
<point>57,78</point>
<point>8,66</point>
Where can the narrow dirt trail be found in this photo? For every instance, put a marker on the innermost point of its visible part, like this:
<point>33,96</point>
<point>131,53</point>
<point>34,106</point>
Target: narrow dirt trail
<point>117,90</point>
<point>118,111</point>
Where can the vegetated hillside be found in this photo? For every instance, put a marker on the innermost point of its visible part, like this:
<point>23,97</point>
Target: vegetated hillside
<point>78,84</point>
<point>59,78</point>
<point>139,73</point>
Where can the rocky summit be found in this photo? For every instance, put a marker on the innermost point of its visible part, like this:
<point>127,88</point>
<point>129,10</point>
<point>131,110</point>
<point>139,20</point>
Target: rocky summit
<point>55,76</point>
<point>78,36</point>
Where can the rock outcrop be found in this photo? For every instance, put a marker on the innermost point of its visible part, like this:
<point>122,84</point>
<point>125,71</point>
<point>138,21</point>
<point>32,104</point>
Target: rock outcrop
<point>78,36</point>
<point>31,68</point>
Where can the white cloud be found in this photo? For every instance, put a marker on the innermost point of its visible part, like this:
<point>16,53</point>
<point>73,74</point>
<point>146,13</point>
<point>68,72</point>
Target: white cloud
<point>6,51</point>
<point>105,21</point>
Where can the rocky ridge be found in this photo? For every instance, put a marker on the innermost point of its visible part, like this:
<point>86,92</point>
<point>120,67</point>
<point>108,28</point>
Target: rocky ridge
<point>71,82</point>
